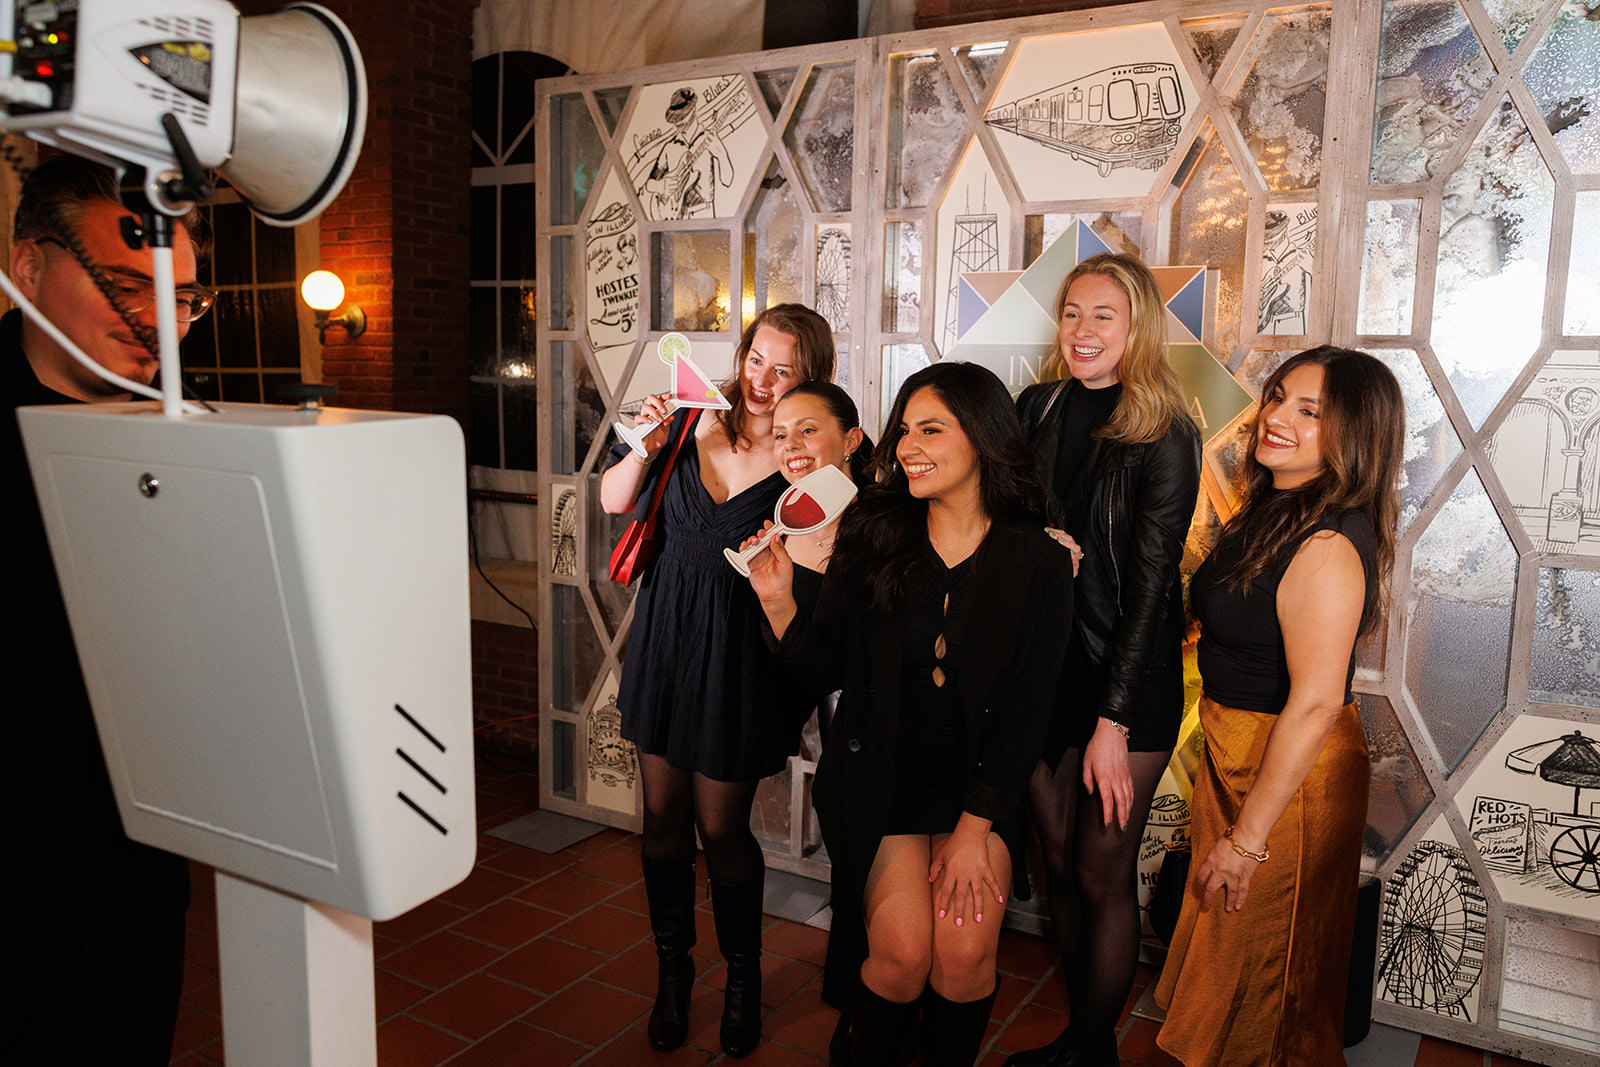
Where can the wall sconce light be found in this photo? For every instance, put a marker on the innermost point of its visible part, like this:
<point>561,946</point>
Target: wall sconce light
<point>323,291</point>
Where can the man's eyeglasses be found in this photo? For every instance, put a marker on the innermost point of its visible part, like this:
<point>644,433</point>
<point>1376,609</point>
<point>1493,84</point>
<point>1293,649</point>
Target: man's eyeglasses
<point>137,294</point>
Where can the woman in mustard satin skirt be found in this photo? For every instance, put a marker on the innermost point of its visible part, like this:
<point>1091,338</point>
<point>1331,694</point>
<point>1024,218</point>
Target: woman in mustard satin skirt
<point>1257,968</point>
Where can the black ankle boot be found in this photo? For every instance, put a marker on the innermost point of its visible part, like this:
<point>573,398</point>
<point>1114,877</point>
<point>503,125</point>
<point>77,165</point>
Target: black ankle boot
<point>737,910</point>
<point>1070,1050</point>
<point>878,1029</point>
<point>952,1031</point>
<point>669,886</point>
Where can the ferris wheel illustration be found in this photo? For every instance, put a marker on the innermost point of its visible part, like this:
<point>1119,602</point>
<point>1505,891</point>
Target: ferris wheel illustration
<point>1432,937</point>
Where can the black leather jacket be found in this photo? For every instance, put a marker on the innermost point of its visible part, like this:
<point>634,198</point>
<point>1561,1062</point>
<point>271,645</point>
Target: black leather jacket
<point>1128,596</point>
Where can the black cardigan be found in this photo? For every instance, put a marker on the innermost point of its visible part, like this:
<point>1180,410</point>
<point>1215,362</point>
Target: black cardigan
<point>1006,669</point>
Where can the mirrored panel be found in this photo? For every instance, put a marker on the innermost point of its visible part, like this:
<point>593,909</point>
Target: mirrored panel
<point>1458,620</point>
<point>1564,667</point>
<point>1494,245</point>
<point>821,136</point>
<point>691,280</point>
<point>926,124</point>
<point>1399,792</point>
<point>1432,74</point>
<point>1389,266</point>
<point>1280,105</point>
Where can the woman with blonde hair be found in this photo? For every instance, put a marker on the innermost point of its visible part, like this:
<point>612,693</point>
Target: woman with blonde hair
<point>1280,800</point>
<point>1114,443</point>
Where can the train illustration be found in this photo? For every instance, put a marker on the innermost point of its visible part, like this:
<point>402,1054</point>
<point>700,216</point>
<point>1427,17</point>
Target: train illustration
<point>1125,116</point>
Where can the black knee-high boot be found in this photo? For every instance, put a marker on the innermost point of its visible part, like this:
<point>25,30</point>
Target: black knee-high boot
<point>669,886</point>
<point>737,910</point>
<point>952,1032</point>
<point>879,1028</point>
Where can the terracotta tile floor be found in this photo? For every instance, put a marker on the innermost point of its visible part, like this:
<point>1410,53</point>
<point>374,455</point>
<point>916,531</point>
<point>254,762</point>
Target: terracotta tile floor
<point>544,961</point>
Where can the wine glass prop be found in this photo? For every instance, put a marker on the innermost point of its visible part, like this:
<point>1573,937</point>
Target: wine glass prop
<point>809,504</point>
<point>691,388</point>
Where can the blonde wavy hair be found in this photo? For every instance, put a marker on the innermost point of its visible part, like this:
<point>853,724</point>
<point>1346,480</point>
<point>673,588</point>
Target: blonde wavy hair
<point>1152,395</point>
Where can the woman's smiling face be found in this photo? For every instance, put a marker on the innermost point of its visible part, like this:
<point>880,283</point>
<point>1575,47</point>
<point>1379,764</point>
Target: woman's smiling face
<point>934,451</point>
<point>806,437</point>
<point>1289,429</point>
<point>1096,318</point>
<point>769,370</point>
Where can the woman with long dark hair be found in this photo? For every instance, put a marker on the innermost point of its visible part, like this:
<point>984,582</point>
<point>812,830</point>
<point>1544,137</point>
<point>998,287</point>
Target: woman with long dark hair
<point>943,618</point>
<point>1280,801</point>
<point>1115,445</point>
<point>695,695</point>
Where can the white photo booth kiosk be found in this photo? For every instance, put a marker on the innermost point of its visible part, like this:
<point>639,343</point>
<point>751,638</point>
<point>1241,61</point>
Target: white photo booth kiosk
<point>270,604</point>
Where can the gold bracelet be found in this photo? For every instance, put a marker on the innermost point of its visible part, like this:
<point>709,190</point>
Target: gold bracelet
<point>1259,857</point>
<point>643,461</point>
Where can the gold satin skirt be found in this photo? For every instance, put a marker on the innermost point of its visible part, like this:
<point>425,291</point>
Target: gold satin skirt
<point>1266,985</point>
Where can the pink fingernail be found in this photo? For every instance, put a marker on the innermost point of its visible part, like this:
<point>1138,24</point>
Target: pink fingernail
<point>979,918</point>
<point>958,922</point>
<point>942,914</point>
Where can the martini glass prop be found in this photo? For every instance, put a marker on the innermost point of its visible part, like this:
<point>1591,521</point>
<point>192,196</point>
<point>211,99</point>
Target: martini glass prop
<point>809,504</point>
<point>691,388</point>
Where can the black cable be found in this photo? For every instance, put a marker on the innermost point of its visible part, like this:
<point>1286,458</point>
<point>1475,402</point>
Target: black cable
<point>472,551</point>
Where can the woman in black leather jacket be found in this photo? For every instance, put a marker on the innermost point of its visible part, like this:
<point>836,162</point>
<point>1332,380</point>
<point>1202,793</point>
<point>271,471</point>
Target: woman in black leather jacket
<point>1116,447</point>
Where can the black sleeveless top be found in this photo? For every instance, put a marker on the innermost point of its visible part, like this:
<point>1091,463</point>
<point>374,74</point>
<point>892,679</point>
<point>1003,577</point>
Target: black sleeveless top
<point>1241,657</point>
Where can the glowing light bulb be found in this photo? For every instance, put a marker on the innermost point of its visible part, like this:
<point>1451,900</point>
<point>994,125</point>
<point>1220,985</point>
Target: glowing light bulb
<point>322,290</point>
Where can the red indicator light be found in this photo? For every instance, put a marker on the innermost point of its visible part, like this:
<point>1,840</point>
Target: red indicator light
<point>45,70</point>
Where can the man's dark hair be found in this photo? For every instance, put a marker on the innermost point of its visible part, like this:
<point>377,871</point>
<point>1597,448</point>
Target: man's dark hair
<point>55,192</point>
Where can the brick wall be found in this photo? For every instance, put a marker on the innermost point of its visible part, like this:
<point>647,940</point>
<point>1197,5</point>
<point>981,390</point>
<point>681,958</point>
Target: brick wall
<point>398,234</point>
<point>505,688</point>
<point>949,12</point>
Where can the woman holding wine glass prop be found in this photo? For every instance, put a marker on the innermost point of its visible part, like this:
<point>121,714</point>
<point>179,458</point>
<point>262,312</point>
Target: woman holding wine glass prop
<point>695,694</point>
<point>943,617</point>
<point>1115,445</point>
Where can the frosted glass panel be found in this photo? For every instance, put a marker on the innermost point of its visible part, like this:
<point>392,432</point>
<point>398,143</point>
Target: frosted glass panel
<point>1432,73</point>
<point>603,532</point>
<point>899,363</point>
<point>1564,76</point>
<point>1583,275</point>
<point>775,86</point>
<point>691,280</point>
<point>1399,790</point>
<point>772,239</point>
<point>977,63</point>
<point>1389,266</point>
<point>1512,18</point>
<point>822,136</point>
<point>1565,665</point>
<point>577,652</point>
<point>1281,103</point>
<point>926,123</point>
<point>611,102</point>
<point>902,282</point>
<point>1493,248</point>
<point>1458,620</point>
<point>577,152</point>
<point>1211,38</point>
<point>771,817</point>
<point>1208,217</point>
<point>1431,443</point>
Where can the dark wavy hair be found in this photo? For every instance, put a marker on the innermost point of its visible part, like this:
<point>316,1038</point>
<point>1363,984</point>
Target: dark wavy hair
<point>55,193</point>
<point>844,412</point>
<point>884,534</point>
<point>1362,429</point>
<point>813,360</point>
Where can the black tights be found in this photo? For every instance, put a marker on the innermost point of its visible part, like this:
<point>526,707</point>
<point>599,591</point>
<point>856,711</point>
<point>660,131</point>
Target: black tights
<point>1092,873</point>
<point>679,802</point>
